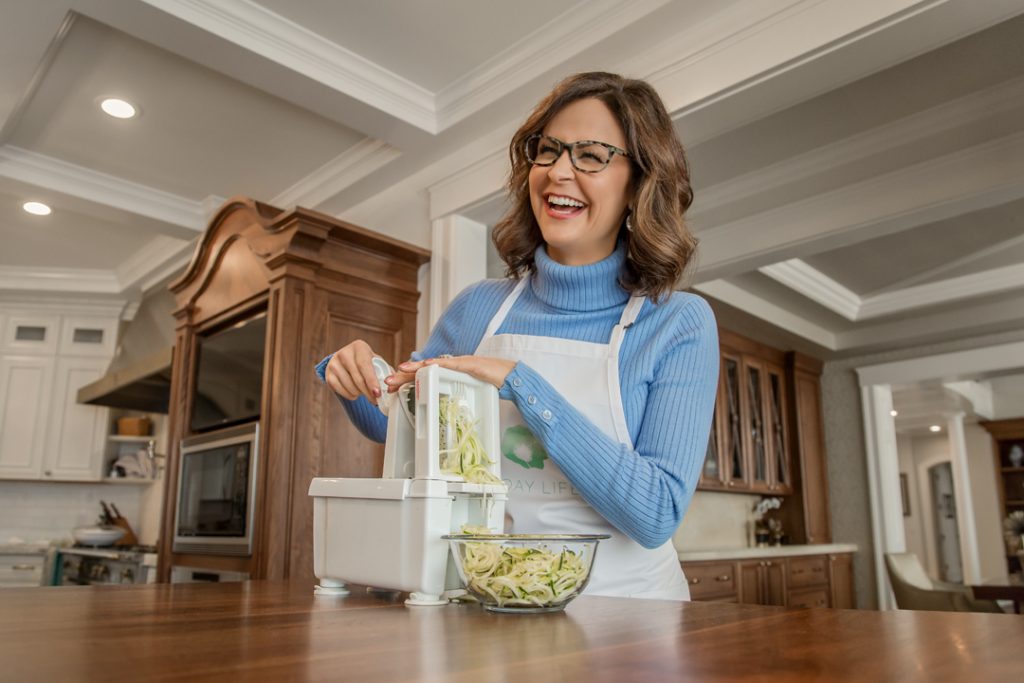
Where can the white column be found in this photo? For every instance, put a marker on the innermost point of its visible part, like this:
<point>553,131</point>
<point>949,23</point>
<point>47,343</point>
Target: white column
<point>969,554</point>
<point>883,483</point>
<point>458,259</point>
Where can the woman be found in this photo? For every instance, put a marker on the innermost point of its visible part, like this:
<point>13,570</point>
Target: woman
<point>608,376</point>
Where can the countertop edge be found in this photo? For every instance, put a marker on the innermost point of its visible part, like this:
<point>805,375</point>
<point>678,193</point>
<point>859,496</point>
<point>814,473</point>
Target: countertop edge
<point>771,551</point>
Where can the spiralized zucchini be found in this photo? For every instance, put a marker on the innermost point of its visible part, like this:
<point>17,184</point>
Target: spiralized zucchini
<point>519,576</point>
<point>461,452</point>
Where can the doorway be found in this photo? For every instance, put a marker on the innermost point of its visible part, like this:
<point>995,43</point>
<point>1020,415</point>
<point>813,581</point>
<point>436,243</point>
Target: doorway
<point>947,532</point>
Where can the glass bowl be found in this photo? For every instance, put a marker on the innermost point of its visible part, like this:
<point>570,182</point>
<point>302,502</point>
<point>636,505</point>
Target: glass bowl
<point>524,572</point>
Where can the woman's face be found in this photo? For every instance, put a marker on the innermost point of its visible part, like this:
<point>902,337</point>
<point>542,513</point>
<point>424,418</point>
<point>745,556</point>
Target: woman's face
<point>577,236</point>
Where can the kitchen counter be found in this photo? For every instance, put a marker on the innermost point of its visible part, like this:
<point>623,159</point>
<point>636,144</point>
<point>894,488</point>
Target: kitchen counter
<point>275,631</point>
<point>770,551</point>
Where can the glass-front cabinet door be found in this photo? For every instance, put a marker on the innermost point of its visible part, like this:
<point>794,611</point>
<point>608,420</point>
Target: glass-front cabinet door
<point>755,424</point>
<point>734,460</point>
<point>778,432</point>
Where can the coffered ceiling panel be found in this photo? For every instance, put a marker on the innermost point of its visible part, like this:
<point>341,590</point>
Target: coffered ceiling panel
<point>199,132</point>
<point>429,43</point>
<point>67,238</point>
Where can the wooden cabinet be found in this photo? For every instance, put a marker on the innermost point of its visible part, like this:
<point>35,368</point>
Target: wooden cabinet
<point>1008,449</point>
<point>799,581</point>
<point>749,448</point>
<point>322,284</point>
<point>762,582</point>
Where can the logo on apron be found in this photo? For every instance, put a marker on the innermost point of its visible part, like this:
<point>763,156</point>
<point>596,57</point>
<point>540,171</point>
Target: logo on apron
<point>519,445</point>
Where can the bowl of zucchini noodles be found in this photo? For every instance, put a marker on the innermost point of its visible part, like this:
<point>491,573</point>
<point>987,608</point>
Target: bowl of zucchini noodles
<point>524,573</point>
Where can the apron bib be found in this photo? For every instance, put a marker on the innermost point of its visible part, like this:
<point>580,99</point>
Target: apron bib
<point>541,499</point>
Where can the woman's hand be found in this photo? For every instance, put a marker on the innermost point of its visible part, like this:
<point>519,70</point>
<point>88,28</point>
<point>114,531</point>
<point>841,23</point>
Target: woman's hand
<point>486,369</point>
<point>350,372</point>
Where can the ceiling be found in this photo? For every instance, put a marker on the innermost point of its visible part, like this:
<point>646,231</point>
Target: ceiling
<point>858,168</point>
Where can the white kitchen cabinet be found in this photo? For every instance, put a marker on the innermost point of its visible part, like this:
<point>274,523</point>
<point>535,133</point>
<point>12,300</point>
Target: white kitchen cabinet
<point>20,570</point>
<point>30,334</point>
<point>26,384</point>
<point>76,433</point>
<point>87,336</point>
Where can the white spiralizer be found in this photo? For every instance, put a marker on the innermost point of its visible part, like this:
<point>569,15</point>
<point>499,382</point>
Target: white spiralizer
<point>386,532</point>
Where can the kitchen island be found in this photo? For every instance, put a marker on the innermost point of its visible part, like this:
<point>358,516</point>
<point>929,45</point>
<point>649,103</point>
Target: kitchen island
<point>275,631</point>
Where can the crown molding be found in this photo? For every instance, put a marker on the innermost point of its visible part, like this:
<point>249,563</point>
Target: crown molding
<point>967,180</point>
<point>78,181</point>
<point>56,303</point>
<point>152,257</point>
<point>560,39</point>
<point>997,99</point>
<point>967,259</point>
<point>355,163</point>
<point>731,294</point>
<point>284,42</point>
<point>987,282</point>
<point>815,285</point>
<point>77,280</point>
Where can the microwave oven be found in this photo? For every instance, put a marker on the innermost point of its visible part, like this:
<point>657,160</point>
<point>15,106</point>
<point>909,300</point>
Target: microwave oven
<point>216,501</point>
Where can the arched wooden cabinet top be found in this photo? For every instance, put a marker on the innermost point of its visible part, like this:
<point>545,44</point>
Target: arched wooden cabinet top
<point>322,282</point>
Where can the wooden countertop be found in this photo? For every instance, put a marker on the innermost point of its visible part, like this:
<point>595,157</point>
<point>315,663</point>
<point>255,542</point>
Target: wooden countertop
<point>279,631</point>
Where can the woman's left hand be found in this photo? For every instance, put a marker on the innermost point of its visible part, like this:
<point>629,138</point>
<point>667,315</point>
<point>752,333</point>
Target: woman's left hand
<point>486,369</point>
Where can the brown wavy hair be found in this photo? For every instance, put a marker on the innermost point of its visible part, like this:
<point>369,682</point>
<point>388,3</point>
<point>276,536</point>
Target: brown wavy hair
<point>660,247</point>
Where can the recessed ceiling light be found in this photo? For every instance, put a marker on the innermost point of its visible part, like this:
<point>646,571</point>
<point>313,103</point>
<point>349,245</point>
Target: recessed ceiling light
<point>118,108</point>
<point>894,413</point>
<point>37,208</point>
<point>935,428</point>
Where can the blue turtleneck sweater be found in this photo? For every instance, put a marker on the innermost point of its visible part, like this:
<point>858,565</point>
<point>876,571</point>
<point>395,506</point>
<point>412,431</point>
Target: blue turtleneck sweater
<point>668,369</point>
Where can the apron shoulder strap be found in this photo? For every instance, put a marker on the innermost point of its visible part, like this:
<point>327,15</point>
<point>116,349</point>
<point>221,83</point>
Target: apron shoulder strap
<point>505,307</point>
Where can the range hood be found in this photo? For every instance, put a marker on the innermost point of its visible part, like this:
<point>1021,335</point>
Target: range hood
<point>144,384</point>
<point>139,377</point>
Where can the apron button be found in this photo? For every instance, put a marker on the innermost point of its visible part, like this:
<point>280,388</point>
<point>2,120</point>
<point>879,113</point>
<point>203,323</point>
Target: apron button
<point>546,414</point>
<point>531,399</point>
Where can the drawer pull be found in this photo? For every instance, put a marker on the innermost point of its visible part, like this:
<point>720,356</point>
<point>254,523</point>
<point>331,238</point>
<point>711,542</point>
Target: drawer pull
<point>23,567</point>
<point>723,577</point>
<point>817,569</point>
<point>694,581</point>
<point>796,571</point>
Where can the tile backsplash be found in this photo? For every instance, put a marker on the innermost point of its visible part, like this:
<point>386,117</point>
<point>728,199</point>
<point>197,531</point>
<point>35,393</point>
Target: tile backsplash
<point>45,511</point>
<point>715,521</point>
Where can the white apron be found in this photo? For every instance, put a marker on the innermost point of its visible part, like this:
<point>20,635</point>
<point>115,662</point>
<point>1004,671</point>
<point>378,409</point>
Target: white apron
<point>541,499</point>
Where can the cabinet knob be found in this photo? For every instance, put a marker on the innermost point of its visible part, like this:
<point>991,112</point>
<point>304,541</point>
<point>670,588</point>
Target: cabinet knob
<point>723,577</point>
<point>694,581</point>
<point>731,483</point>
<point>48,473</point>
<point>768,564</point>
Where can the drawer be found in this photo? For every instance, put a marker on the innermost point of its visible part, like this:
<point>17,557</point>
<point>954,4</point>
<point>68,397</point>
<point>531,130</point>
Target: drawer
<point>21,570</point>
<point>807,571</point>
<point>814,597</point>
<point>712,579</point>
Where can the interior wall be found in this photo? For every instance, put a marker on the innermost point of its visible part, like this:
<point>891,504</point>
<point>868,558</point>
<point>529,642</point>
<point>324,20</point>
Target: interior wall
<point>985,494</point>
<point>849,499</point>
<point>913,524</point>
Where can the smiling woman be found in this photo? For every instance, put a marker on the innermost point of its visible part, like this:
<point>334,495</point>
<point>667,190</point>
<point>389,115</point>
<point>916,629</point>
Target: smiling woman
<point>608,375</point>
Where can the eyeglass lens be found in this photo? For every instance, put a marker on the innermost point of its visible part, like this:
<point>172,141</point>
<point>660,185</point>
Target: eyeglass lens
<point>589,157</point>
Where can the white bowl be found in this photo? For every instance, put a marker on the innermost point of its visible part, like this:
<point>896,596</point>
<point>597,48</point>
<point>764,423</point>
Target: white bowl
<point>98,535</point>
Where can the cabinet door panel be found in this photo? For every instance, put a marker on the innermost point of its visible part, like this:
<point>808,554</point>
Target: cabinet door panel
<point>25,384</point>
<point>841,581</point>
<point>76,432</point>
<point>774,583</point>
<point>751,580</point>
<point>778,434</point>
<point>733,421</point>
<point>815,597</point>
<point>755,430</point>
<point>711,579</point>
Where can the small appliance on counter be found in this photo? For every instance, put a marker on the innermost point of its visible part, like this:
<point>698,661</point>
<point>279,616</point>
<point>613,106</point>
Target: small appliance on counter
<point>442,473</point>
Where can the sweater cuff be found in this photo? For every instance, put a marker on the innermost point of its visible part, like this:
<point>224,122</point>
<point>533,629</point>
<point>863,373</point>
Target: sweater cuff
<point>533,396</point>
<point>321,368</point>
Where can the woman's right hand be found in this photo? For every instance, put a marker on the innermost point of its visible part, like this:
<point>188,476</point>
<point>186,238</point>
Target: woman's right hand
<point>350,372</point>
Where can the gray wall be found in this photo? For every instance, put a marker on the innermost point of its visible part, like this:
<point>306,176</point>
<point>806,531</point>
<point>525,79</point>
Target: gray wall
<point>847,453</point>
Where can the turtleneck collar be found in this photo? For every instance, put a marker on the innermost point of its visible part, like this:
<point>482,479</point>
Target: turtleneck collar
<point>592,287</point>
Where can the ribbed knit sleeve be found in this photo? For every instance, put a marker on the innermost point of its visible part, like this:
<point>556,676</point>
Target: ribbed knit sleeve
<point>457,332</point>
<point>645,490</point>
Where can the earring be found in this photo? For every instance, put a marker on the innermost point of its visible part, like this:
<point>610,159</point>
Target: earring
<point>629,221</point>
